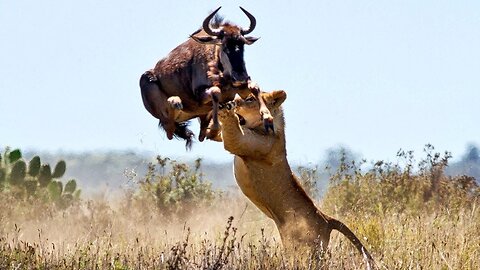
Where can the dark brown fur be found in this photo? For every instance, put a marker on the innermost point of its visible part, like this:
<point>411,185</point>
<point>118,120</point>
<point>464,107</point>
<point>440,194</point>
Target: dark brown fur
<point>190,83</point>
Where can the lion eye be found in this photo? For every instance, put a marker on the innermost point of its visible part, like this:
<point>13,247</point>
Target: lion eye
<point>250,99</point>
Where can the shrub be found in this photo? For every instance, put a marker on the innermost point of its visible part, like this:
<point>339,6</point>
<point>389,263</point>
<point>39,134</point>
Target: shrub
<point>401,187</point>
<point>309,178</point>
<point>176,190</point>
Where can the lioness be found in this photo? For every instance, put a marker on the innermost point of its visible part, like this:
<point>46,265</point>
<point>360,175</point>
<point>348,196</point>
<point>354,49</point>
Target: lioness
<point>264,175</point>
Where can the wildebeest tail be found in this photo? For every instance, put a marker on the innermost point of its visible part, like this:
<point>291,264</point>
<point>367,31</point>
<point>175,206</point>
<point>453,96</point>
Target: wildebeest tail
<point>182,131</point>
<point>342,228</point>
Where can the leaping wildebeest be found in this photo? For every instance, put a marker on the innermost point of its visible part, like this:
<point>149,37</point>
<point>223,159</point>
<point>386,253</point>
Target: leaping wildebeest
<point>200,74</point>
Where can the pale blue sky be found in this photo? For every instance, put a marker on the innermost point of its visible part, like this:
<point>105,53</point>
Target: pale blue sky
<point>375,76</point>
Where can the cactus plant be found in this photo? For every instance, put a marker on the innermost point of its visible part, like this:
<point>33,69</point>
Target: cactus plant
<point>3,175</point>
<point>35,179</point>
<point>18,173</point>
<point>55,190</point>
<point>70,186</point>
<point>60,169</point>
<point>45,175</point>
<point>60,186</point>
<point>31,186</point>
<point>77,194</point>
<point>34,166</point>
<point>14,155</point>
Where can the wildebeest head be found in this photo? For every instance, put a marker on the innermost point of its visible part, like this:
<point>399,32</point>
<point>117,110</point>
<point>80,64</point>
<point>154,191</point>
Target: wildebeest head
<point>231,39</point>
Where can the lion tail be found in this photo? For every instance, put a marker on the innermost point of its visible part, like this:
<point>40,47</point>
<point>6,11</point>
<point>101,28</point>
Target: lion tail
<point>342,228</point>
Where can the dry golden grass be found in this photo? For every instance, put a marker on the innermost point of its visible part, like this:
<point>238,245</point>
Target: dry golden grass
<point>407,220</point>
<point>97,234</point>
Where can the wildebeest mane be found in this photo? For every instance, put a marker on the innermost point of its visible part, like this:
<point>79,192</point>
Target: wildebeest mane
<point>217,20</point>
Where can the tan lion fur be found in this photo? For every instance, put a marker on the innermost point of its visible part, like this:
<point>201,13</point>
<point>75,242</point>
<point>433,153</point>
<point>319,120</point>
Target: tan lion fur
<point>264,175</point>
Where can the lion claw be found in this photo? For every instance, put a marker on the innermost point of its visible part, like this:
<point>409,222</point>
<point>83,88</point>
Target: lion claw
<point>230,105</point>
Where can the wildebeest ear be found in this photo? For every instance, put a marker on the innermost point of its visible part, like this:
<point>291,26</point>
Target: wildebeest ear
<point>206,40</point>
<point>251,40</point>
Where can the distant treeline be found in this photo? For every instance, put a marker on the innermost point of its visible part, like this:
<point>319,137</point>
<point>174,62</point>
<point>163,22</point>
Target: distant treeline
<point>111,170</point>
<point>469,164</point>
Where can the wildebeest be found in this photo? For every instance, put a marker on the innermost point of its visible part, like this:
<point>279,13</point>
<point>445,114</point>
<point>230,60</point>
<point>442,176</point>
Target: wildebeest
<point>194,78</point>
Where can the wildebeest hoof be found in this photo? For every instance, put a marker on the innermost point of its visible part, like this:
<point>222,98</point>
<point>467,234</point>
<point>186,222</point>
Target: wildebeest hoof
<point>170,135</point>
<point>213,133</point>
<point>202,135</point>
<point>175,102</point>
<point>253,86</point>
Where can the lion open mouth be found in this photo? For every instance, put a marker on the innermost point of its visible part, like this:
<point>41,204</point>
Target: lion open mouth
<point>241,120</point>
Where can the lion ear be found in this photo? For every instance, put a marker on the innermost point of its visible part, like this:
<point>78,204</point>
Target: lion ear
<point>279,96</point>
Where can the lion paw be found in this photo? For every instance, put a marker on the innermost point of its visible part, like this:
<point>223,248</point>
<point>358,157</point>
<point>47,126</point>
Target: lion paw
<point>225,114</point>
<point>230,105</point>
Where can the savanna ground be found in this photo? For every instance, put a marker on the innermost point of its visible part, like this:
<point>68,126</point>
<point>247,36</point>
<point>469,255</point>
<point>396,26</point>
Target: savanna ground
<point>409,214</point>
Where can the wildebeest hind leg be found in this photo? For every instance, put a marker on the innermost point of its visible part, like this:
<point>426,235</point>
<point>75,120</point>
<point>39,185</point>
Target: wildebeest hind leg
<point>155,101</point>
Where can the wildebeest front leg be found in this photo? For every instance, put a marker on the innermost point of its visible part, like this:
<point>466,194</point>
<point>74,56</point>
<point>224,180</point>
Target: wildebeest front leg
<point>175,102</point>
<point>264,111</point>
<point>204,123</point>
<point>214,129</point>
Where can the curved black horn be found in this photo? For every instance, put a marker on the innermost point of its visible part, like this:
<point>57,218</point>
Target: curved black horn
<point>206,24</point>
<point>253,22</point>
